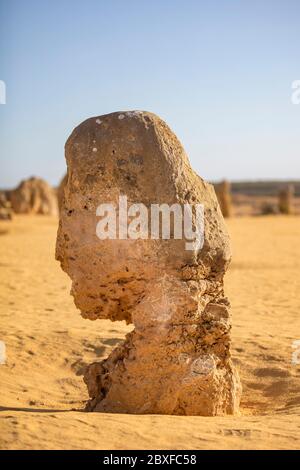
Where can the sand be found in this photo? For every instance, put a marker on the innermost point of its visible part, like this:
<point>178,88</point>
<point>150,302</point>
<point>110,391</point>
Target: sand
<point>48,345</point>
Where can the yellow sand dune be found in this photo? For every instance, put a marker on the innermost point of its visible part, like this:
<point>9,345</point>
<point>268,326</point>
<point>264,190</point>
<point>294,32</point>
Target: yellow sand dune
<point>48,344</point>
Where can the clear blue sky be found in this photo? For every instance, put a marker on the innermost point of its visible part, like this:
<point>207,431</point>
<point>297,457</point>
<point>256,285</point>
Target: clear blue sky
<point>218,71</point>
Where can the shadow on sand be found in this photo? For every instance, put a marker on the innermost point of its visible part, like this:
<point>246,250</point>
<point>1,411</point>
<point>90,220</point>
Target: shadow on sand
<point>38,410</point>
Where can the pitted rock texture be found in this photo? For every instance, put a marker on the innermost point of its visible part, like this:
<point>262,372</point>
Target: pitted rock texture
<point>34,196</point>
<point>177,358</point>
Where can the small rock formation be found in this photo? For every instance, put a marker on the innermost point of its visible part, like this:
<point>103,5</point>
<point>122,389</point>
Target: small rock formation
<point>5,207</point>
<point>285,200</point>
<point>177,358</point>
<point>223,192</point>
<point>60,191</point>
<point>267,208</point>
<point>34,196</point>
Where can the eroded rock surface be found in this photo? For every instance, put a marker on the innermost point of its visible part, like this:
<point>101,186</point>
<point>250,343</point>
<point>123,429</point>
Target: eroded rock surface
<point>177,358</point>
<point>34,196</point>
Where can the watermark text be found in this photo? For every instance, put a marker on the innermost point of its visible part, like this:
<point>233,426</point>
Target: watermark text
<point>159,221</point>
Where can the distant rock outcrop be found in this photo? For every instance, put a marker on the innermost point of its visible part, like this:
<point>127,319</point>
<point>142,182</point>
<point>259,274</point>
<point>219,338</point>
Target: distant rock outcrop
<point>285,199</point>
<point>223,192</point>
<point>5,207</point>
<point>34,196</point>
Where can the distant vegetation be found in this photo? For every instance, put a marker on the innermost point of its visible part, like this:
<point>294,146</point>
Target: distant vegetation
<point>262,188</point>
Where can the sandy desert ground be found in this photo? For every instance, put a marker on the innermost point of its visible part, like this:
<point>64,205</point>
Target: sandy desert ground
<point>48,345</point>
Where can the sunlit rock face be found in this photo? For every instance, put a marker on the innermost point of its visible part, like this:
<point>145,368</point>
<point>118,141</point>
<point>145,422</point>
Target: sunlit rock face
<point>177,358</point>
